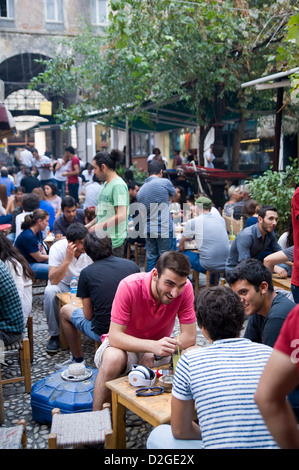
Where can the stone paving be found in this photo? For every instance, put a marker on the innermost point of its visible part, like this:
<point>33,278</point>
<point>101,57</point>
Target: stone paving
<point>17,403</point>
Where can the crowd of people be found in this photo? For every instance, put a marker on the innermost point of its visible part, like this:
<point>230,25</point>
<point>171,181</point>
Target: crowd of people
<point>245,385</point>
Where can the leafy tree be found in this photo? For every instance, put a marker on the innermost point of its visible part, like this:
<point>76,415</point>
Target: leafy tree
<point>154,50</point>
<point>277,189</point>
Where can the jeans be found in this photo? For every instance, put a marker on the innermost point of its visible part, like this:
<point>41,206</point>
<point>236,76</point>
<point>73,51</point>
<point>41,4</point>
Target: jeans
<point>154,248</point>
<point>295,292</point>
<point>195,263</point>
<point>162,438</point>
<point>6,219</point>
<point>41,270</point>
<point>73,190</point>
<point>51,306</point>
<point>61,187</point>
<point>82,324</point>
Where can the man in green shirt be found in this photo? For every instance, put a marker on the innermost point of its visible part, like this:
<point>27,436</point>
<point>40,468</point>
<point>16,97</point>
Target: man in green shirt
<point>113,201</point>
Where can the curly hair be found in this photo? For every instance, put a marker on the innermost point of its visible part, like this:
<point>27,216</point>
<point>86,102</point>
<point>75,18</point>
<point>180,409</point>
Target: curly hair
<point>220,311</point>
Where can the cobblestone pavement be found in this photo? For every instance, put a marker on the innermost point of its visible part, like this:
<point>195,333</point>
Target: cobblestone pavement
<point>17,403</point>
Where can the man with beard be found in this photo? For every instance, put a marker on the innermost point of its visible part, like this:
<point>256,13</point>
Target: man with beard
<point>142,320</point>
<point>252,241</point>
<point>266,309</point>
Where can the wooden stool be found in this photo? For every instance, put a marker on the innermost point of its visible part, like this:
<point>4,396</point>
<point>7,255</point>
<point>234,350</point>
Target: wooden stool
<point>195,275</point>
<point>23,348</point>
<point>75,429</point>
<point>14,437</point>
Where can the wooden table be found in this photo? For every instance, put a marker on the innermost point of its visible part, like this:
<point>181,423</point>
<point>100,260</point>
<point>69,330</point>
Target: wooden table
<point>65,298</point>
<point>282,283</point>
<point>155,410</point>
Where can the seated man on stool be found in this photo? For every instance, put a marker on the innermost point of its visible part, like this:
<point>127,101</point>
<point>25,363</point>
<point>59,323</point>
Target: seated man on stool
<point>211,239</point>
<point>97,286</point>
<point>67,258</point>
<point>142,320</point>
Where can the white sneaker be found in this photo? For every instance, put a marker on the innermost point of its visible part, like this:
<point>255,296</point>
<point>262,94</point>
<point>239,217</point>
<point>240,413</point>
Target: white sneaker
<point>68,362</point>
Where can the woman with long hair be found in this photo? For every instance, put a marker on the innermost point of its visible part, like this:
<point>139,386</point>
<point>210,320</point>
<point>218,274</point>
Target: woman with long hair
<point>50,190</point>
<point>30,242</point>
<point>5,218</point>
<point>21,272</point>
<point>15,200</point>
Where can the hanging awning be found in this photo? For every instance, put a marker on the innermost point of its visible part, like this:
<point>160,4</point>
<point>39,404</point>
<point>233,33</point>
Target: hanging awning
<point>7,123</point>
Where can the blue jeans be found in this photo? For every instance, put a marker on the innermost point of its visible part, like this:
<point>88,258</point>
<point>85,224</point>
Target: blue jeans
<point>5,219</point>
<point>295,292</point>
<point>61,187</point>
<point>162,438</point>
<point>41,270</point>
<point>195,263</point>
<point>84,325</point>
<point>73,190</point>
<point>155,247</point>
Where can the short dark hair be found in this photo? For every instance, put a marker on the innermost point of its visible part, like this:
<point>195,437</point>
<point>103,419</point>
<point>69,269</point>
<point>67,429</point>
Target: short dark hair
<point>154,167</point>
<point>220,311</point>
<point>20,189</point>
<point>76,231</point>
<point>253,271</point>
<point>4,173</point>
<point>68,201</point>
<point>175,261</point>
<point>30,202</point>
<point>265,208</point>
<point>98,246</point>
<point>70,149</point>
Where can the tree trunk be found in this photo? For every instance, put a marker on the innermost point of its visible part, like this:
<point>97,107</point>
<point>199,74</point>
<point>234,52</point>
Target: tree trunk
<point>238,135</point>
<point>203,132</point>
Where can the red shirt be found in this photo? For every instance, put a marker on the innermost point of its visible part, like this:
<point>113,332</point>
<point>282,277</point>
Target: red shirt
<point>288,338</point>
<point>135,307</point>
<point>74,178</point>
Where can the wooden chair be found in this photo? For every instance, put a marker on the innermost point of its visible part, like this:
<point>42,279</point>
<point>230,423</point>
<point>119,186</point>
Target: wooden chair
<point>195,275</point>
<point>23,348</point>
<point>14,437</point>
<point>30,335</point>
<point>231,223</point>
<point>81,429</point>
<point>139,249</point>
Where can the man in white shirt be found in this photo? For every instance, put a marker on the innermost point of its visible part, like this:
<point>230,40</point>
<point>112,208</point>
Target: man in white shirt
<point>26,157</point>
<point>67,258</point>
<point>44,167</point>
<point>92,190</point>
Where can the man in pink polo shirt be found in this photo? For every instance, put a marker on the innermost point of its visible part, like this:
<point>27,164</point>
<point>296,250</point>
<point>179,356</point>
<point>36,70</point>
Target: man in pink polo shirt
<point>142,320</point>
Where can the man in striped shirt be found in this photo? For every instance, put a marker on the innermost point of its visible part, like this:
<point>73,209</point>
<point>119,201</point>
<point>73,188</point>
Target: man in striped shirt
<point>220,380</point>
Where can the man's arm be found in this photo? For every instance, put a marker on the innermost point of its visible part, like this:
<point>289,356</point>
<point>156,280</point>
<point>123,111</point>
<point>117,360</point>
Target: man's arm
<point>182,243</point>
<point>119,216</point>
<point>278,379</point>
<point>87,308</point>
<point>187,336</point>
<point>182,424</point>
<point>276,258</point>
<point>57,273</point>
<point>119,339</point>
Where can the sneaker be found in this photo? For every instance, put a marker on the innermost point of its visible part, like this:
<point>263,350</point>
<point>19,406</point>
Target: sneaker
<point>53,345</point>
<point>68,362</point>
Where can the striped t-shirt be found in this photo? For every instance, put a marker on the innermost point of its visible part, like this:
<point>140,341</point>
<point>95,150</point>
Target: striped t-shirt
<point>222,379</point>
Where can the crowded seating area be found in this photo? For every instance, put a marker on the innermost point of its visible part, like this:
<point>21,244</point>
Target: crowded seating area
<point>124,295</point>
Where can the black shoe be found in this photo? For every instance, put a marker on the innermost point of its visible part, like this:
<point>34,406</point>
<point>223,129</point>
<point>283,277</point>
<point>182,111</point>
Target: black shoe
<point>53,345</point>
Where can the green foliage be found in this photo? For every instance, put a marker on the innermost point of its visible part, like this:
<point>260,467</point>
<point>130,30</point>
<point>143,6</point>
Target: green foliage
<point>139,176</point>
<point>277,189</point>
